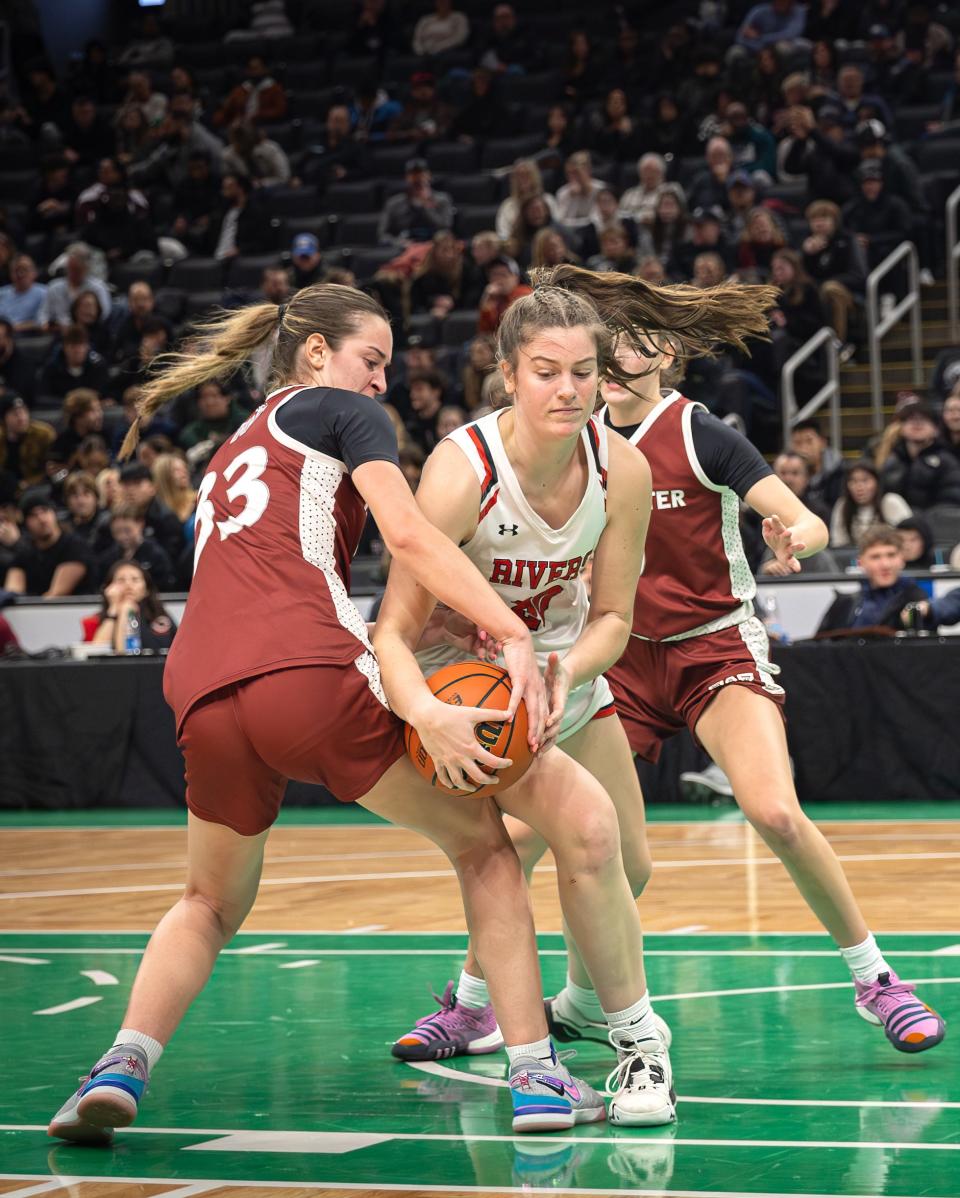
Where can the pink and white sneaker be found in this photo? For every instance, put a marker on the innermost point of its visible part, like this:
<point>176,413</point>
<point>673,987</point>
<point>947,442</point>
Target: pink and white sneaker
<point>909,1024</point>
<point>452,1031</point>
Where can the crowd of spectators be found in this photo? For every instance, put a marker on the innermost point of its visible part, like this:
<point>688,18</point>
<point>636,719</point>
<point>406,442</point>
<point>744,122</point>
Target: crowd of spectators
<point>433,156</point>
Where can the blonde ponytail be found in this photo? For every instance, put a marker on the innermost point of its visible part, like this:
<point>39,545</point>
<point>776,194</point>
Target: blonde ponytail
<point>223,344</point>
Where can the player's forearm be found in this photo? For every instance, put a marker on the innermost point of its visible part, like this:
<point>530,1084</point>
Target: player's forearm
<point>437,564</point>
<point>599,646</point>
<point>811,531</point>
<point>400,673</point>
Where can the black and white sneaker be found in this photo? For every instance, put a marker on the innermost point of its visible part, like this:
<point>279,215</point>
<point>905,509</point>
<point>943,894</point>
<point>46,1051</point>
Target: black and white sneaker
<point>641,1087</point>
<point>567,1025</point>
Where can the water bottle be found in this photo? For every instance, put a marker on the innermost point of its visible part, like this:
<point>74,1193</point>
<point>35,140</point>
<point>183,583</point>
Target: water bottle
<point>770,614</point>
<point>132,642</point>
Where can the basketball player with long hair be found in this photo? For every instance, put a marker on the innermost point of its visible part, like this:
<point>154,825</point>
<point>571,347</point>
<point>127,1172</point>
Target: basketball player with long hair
<point>547,493</point>
<point>697,656</point>
<point>272,676</point>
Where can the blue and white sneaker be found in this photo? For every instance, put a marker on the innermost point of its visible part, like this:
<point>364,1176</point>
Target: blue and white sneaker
<point>546,1098</point>
<point>108,1097</point>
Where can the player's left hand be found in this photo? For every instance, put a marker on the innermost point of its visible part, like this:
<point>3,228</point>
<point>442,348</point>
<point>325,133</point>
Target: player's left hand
<point>781,541</point>
<point>556,678</point>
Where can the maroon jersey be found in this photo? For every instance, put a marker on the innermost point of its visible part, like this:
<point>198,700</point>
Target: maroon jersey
<point>695,578</point>
<point>278,521</point>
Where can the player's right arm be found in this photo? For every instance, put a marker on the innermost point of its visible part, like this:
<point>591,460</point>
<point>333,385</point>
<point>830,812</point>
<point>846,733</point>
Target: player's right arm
<point>447,732</point>
<point>423,536</point>
<point>790,530</point>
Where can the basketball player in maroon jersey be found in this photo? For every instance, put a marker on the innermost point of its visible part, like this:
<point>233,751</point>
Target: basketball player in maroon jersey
<point>273,677</point>
<point>698,656</point>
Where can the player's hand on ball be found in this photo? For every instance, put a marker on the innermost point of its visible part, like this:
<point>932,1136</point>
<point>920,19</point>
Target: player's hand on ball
<point>528,685</point>
<point>447,733</point>
<point>556,678</point>
<point>780,540</point>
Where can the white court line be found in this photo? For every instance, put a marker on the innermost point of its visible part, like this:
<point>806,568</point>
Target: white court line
<point>743,933</point>
<point>317,879</point>
<point>725,820</point>
<point>100,977</point>
<point>23,960</point>
<point>400,1187</point>
<point>181,863</point>
<point>73,1005</point>
<point>480,1079</point>
<point>253,949</point>
<point>188,1191</point>
<point>462,1138</point>
<point>44,1187</point>
<point>455,949</point>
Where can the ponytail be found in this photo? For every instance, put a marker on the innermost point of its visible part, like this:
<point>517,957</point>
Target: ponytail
<point>693,321</point>
<point>224,343</point>
<point>221,347</point>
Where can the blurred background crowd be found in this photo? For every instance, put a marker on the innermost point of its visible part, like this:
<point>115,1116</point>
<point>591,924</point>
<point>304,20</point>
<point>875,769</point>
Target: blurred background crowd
<point>219,153</point>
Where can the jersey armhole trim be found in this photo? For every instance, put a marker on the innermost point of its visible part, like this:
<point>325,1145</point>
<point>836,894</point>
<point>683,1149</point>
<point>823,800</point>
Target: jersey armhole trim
<point>298,446</point>
<point>686,420</point>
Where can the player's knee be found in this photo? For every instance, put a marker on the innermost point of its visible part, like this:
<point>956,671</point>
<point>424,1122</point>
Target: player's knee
<point>227,913</point>
<point>780,824</point>
<point>594,846</point>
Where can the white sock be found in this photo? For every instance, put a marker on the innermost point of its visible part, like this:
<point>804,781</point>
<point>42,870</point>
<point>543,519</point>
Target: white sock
<point>471,991</point>
<point>583,999</point>
<point>865,961</point>
<point>542,1050</point>
<point>153,1048</point>
<point>637,1020</point>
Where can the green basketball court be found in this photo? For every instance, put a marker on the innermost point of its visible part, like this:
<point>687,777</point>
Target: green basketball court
<point>281,1074</point>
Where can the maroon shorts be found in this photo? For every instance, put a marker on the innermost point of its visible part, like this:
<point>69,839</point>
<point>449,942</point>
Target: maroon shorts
<point>660,687</point>
<point>314,723</point>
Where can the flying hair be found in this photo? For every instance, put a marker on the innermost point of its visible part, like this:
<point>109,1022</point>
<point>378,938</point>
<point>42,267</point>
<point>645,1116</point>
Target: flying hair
<point>691,321</point>
<point>221,345</point>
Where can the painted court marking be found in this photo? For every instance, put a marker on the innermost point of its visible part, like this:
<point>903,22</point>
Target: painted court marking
<point>398,1187</point>
<point>399,875</point>
<point>447,1071</point>
<point>315,1142</point>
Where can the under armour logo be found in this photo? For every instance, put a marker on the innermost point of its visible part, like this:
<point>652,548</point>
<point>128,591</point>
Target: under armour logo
<point>512,529</point>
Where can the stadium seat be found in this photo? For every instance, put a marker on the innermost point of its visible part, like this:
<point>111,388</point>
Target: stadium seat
<point>353,197</point>
<point>365,261</point>
<point>360,228</point>
<point>324,228</point>
<point>505,151</point>
<point>348,70</point>
<point>944,521</point>
<point>292,201</point>
<point>939,154</point>
<point>196,274</point>
<point>202,302</point>
<point>390,160</point>
<point>460,326</point>
<point>472,189</point>
<point>170,302</point>
<point>475,218</point>
<point>122,274</point>
<point>35,350</point>
<point>452,158</point>
<point>17,183</point>
<point>246,272</point>
<point>911,120</point>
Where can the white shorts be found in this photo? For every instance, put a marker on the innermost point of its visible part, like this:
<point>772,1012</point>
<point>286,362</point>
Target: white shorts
<point>584,704</point>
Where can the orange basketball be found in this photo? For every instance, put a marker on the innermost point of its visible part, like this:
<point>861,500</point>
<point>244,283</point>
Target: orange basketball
<point>477,684</point>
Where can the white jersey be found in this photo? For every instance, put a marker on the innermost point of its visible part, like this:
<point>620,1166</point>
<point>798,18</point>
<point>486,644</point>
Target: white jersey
<point>536,569</point>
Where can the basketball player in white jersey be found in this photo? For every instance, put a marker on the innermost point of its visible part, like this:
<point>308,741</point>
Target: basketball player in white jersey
<point>534,494</point>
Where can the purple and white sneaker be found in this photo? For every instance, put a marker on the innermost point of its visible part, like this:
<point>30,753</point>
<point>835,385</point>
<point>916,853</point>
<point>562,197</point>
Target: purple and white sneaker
<point>909,1024</point>
<point>452,1031</point>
